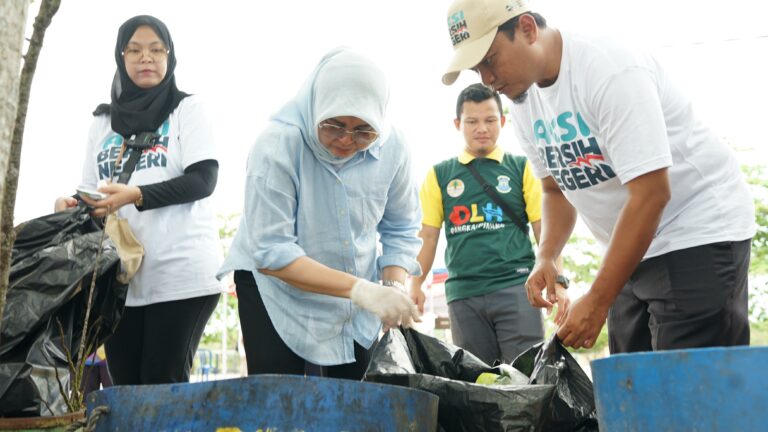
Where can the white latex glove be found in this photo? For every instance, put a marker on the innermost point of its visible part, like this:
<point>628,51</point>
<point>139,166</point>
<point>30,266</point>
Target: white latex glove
<point>391,305</point>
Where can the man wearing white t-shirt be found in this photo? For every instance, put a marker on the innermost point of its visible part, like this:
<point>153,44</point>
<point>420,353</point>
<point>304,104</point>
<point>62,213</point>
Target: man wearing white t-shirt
<point>616,142</point>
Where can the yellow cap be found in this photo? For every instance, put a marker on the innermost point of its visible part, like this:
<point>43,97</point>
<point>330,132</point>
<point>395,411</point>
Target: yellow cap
<point>472,25</point>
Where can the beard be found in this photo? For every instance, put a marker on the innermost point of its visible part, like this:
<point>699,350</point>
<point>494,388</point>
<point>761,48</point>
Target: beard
<point>519,99</point>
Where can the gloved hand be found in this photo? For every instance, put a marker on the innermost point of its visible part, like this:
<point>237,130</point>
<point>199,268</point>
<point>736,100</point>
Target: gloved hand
<point>391,305</point>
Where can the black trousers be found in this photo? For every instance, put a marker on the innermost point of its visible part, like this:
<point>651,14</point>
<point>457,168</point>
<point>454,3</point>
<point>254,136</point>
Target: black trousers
<point>155,344</point>
<point>95,376</point>
<point>265,351</point>
<point>689,298</point>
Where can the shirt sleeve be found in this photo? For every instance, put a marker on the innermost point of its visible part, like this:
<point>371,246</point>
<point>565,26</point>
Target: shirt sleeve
<point>531,194</point>
<point>89,177</point>
<point>197,182</point>
<point>271,204</point>
<point>400,224</point>
<point>195,132</point>
<point>431,201</point>
<point>629,111</point>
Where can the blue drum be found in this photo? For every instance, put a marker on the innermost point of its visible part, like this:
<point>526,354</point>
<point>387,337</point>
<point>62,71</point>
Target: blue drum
<point>264,403</point>
<point>705,389</point>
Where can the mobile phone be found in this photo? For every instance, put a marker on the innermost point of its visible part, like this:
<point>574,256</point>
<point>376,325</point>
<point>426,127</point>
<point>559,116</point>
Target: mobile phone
<point>91,194</point>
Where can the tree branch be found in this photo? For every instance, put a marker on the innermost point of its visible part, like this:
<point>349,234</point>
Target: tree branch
<point>48,9</point>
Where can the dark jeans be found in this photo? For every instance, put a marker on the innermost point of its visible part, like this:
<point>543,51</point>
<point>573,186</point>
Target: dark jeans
<point>265,351</point>
<point>155,344</point>
<point>689,298</point>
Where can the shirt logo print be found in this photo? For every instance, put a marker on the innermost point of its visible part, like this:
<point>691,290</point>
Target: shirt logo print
<point>455,188</point>
<point>457,28</point>
<point>571,152</point>
<point>503,186</point>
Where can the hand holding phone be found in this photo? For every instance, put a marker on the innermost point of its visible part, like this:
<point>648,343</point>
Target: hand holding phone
<point>91,194</point>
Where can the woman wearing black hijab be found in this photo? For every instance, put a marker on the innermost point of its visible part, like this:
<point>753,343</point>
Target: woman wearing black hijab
<point>175,291</point>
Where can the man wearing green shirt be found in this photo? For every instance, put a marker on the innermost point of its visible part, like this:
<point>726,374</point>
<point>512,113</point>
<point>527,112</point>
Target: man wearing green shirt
<point>489,253</point>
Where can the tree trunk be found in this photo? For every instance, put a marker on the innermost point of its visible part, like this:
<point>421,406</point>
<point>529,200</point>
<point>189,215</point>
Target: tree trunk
<point>13,19</point>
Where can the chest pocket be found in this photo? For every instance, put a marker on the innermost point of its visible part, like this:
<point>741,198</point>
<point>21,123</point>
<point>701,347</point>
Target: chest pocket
<point>367,197</point>
<point>367,209</point>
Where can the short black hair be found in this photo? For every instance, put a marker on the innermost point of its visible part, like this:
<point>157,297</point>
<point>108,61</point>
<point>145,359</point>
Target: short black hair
<point>508,28</point>
<point>476,93</point>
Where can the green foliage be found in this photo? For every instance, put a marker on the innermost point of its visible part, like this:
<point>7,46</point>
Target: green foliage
<point>581,260</point>
<point>227,229</point>
<point>758,267</point>
<point>759,333</point>
<point>225,316</point>
<point>756,178</point>
<point>758,306</point>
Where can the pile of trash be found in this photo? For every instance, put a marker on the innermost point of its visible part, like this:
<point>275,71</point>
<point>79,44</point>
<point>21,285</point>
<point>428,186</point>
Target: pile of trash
<point>544,389</point>
<point>52,264</point>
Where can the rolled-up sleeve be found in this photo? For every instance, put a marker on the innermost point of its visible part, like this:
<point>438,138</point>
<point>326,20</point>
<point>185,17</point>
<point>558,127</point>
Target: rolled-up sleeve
<point>399,227</point>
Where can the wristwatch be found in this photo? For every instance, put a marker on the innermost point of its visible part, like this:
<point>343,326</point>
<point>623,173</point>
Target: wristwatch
<point>393,283</point>
<point>562,280</point>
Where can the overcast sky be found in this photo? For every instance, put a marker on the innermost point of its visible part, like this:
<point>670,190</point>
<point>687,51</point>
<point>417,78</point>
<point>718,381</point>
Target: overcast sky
<point>246,58</point>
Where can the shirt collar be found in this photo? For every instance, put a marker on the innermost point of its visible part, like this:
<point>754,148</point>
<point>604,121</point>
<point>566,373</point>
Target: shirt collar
<point>497,154</point>
<point>375,149</point>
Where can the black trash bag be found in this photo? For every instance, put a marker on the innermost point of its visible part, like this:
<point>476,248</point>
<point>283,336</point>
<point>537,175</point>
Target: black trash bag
<point>573,406</point>
<point>51,268</point>
<point>407,358</point>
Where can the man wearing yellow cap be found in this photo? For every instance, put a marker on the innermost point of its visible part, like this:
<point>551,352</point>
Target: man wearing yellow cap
<point>615,141</point>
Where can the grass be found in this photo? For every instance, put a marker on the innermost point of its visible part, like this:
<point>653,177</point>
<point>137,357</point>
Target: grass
<point>759,334</point>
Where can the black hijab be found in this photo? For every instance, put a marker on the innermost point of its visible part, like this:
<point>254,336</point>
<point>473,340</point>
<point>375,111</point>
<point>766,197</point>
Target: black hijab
<point>133,109</point>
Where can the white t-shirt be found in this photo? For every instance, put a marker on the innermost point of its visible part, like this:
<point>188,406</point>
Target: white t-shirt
<point>182,250</point>
<point>612,116</point>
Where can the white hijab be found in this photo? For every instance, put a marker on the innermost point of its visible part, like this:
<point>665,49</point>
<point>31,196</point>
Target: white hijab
<point>344,83</point>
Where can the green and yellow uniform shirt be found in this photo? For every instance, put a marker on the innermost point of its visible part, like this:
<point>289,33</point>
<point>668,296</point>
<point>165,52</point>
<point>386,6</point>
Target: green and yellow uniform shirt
<point>486,251</point>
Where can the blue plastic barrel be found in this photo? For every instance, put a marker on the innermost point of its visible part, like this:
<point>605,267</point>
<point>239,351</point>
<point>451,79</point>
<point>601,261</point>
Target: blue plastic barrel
<point>265,403</point>
<point>706,389</point>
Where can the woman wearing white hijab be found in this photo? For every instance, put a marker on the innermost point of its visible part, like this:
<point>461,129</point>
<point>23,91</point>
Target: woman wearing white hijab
<point>326,182</point>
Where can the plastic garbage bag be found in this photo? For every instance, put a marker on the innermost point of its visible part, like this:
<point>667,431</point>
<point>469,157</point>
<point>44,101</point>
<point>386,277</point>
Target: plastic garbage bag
<point>573,406</point>
<point>51,268</point>
<point>557,395</point>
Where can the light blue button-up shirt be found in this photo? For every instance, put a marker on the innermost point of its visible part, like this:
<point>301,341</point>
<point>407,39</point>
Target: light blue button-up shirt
<point>297,205</point>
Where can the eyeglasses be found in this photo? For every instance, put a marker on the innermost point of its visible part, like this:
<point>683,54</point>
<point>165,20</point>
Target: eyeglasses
<point>134,54</point>
<point>362,137</point>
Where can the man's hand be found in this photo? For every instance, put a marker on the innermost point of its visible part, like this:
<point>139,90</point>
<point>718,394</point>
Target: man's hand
<point>563,303</point>
<point>539,280</point>
<point>392,306</point>
<point>542,278</point>
<point>583,322</point>
<point>118,196</point>
<point>417,296</point>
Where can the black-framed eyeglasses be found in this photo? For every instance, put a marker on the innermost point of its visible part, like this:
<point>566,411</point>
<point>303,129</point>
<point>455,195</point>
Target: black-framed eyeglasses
<point>362,137</point>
